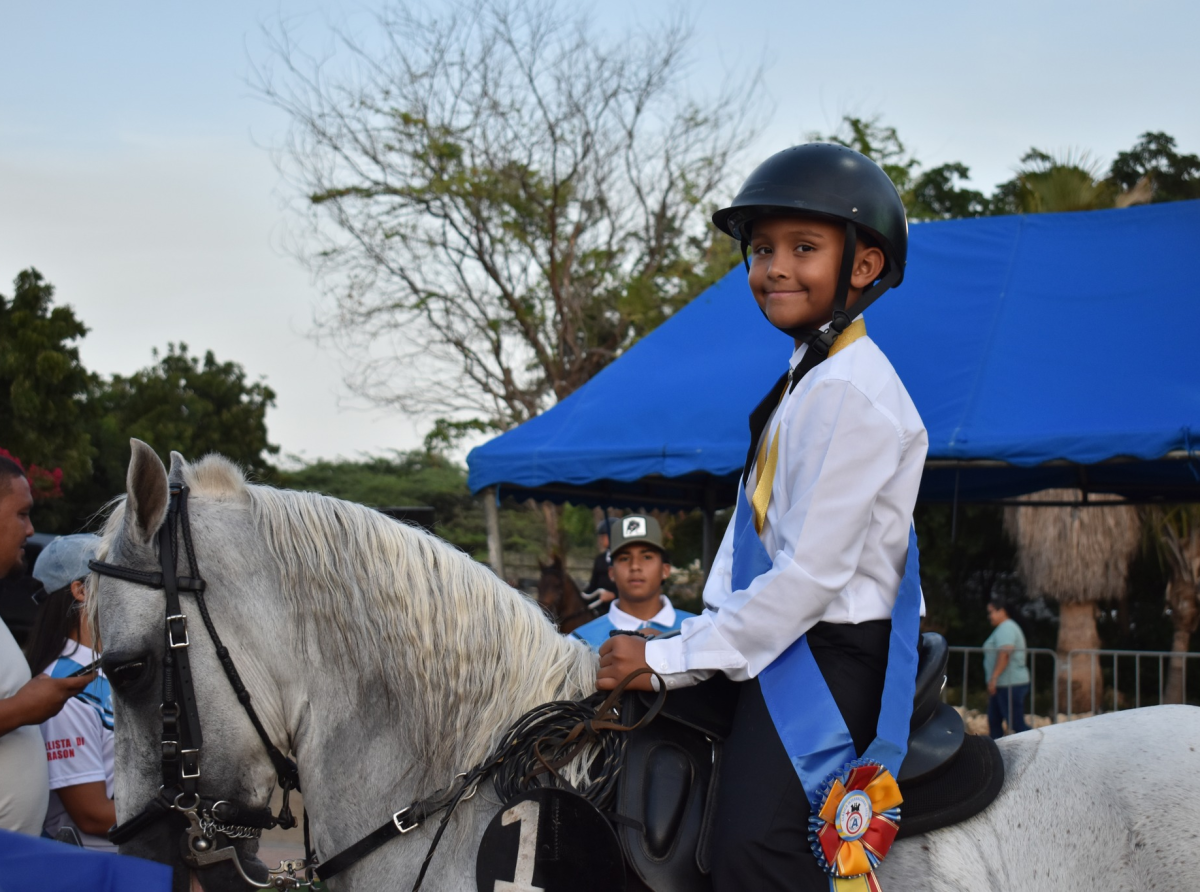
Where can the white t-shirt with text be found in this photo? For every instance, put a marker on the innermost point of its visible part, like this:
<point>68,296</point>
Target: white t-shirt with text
<point>79,742</point>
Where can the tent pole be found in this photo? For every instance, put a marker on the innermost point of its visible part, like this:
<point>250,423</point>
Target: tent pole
<point>491,515</point>
<point>708,549</point>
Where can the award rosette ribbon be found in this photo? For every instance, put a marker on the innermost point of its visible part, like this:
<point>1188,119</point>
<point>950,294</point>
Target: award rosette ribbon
<point>855,818</point>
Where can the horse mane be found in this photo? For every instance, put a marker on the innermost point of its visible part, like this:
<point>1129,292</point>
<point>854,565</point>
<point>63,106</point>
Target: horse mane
<point>418,623</point>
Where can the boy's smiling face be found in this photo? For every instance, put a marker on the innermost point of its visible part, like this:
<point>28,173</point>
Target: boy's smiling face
<point>794,269</point>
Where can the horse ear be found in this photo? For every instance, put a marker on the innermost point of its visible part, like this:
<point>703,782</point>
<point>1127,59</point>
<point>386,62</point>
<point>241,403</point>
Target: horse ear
<point>146,492</point>
<point>178,463</point>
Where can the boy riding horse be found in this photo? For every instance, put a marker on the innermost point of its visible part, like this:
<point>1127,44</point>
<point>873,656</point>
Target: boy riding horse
<point>813,601</point>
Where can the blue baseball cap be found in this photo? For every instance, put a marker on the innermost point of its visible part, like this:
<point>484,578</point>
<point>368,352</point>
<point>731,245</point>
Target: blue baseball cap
<point>64,560</point>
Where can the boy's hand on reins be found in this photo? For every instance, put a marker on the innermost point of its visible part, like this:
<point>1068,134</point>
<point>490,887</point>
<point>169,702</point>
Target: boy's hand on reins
<point>619,656</point>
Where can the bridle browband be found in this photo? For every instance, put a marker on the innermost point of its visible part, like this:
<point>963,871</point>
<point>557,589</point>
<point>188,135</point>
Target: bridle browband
<point>182,738</point>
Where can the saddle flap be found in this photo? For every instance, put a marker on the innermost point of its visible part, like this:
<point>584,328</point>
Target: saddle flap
<point>663,799</point>
<point>968,785</point>
<point>933,746</point>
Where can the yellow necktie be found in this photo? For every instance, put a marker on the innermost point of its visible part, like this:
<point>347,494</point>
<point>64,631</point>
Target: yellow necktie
<point>765,463</point>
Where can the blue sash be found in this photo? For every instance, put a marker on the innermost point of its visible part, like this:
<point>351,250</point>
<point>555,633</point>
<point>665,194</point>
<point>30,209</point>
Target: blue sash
<point>803,710</point>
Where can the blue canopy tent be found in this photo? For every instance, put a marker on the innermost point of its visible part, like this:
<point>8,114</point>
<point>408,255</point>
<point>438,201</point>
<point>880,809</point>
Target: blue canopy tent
<point>1054,350</point>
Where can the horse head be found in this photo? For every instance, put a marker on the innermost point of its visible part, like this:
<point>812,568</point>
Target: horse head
<point>369,650</point>
<point>551,587</point>
<point>132,619</point>
<point>559,596</point>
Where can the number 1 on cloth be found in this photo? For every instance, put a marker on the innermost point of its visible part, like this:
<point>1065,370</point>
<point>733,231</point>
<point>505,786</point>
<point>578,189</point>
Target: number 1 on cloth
<point>526,813</point>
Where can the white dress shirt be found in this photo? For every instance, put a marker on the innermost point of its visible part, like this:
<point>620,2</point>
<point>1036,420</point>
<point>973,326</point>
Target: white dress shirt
<point>851,452</point>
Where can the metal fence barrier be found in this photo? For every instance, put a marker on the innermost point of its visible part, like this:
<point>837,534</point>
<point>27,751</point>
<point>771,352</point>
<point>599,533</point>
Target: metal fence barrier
<point>1160,656</point>
<point>1032,654</point>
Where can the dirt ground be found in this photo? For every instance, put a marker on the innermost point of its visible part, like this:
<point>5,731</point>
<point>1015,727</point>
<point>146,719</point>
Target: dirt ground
<point>976,722</point>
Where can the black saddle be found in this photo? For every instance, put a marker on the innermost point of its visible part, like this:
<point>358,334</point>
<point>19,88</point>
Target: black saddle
<point>672,770</point>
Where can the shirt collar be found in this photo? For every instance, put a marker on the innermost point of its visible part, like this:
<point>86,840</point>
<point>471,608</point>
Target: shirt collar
<point>797,356</point>
<point>623,621</point>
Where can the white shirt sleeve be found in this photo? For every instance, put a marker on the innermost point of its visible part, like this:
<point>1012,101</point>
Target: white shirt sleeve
<point>74,746</point>
<point>837,451</point>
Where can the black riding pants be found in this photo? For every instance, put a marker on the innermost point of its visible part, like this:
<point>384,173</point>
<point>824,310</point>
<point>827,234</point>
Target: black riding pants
<point>760,840</point>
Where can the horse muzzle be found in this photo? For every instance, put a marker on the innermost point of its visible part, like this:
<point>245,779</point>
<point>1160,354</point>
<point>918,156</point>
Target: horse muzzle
<point>220,857</point>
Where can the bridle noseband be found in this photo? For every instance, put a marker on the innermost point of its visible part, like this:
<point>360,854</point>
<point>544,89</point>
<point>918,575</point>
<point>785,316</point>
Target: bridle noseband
<point>182,739</point>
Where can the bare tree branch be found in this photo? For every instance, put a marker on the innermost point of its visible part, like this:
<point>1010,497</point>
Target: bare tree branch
<point>500,199</point>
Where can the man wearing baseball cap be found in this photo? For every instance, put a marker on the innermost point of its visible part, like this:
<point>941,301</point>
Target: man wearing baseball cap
<point>639,568</point>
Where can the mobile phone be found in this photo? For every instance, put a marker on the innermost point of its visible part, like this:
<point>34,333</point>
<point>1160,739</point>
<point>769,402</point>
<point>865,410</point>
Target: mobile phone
<point>86,670</point>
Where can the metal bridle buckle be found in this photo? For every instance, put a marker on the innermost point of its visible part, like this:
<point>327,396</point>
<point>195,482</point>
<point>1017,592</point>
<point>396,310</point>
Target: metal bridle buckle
<point>171,632</point>
<point>400,818</point>
<point>183,767</point>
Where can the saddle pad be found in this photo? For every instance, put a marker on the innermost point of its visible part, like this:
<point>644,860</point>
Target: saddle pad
<point>968,785</point>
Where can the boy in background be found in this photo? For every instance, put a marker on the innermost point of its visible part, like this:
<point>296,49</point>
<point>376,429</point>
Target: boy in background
<point>639,568</point>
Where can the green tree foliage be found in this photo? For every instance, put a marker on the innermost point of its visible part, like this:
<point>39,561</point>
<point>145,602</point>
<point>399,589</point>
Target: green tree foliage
<point>180,403</point>
<point>877,141</point>
<point>505,199</point>
<point>937,195</point>
<point>55,414</point>
<point>1048,184</point>
<point>43,384</point>
<point>190,405</point>
<point>1172,176</point>
<point>966,558</point>
<point>421,477</point>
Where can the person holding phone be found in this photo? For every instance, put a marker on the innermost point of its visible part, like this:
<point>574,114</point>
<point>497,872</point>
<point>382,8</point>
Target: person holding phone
<point>25,702</point>
<point>79,740</point>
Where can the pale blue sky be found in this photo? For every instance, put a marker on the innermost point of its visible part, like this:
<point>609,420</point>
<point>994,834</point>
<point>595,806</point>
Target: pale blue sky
<point>133,171</point>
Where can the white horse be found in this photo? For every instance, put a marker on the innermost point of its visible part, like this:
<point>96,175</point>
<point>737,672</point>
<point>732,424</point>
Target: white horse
<point>386,662</point>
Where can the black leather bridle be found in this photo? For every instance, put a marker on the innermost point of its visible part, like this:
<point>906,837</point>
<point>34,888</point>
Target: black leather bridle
<point>182,739</point>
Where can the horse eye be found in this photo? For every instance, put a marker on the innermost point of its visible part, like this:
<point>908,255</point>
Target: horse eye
<point>127,674</point>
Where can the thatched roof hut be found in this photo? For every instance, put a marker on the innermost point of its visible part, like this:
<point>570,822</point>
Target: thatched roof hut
<point>1075,554</point>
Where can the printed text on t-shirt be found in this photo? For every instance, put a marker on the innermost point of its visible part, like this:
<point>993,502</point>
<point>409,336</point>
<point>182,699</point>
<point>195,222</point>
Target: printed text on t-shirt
<point>62,748</point>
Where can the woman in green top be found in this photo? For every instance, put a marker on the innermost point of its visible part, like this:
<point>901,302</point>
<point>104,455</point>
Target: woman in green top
<point>1007,674</point>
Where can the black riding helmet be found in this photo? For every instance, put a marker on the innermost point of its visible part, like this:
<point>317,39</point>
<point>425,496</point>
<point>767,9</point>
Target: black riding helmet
<point>837,183</point>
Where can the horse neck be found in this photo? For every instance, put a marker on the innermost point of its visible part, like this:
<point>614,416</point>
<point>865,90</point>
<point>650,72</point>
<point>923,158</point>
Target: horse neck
<point>393,743</point>
<point>573,608</point>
